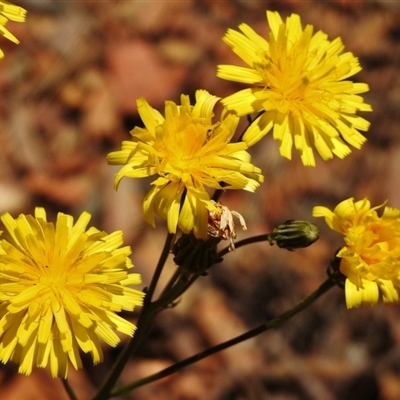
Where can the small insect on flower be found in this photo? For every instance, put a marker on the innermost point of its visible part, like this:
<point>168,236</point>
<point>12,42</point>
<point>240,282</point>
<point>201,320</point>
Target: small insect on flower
<point>220,223</point>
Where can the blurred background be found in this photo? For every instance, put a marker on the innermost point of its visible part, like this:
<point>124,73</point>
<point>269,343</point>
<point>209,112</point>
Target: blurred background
<point>68,93</point>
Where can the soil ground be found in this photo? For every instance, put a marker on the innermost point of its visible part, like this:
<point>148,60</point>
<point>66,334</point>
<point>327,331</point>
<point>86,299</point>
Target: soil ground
<point>68,98</point>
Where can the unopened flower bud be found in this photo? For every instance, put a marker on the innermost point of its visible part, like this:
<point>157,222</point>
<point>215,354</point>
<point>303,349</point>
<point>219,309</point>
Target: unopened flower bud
<point>194,255</point>
<point>294,234</point>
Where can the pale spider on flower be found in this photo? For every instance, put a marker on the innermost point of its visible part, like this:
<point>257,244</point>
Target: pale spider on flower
<point>220,223</point>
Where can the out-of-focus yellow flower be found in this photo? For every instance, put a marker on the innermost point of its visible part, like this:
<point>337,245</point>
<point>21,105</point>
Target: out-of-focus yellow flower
<point>370,258</point>
<point>60,289</point>
<point>300,87</point>
<point>189,152</point>
<point>10,12</point>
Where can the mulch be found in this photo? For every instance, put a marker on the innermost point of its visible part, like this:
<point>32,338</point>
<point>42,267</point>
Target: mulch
<point>68,98</point>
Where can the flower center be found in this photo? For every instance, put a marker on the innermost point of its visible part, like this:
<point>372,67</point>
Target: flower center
<point>50,280</point>
<point>181,149</point>
<point>293,82</point>
<point>286,82</point>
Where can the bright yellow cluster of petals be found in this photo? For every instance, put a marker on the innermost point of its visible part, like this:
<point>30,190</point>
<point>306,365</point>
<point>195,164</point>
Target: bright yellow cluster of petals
<point>189,153</point>
<point>60,289</point>
<point>13,13</point>
<point>300,87</point>
<point>370,258</point>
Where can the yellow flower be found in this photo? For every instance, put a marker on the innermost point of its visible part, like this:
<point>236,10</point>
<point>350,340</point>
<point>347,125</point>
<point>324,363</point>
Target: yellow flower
<point>370,259</point>
<point>9,12</point>
<point>188,152</point>
<point>60,289</point>
<point>300,88</point>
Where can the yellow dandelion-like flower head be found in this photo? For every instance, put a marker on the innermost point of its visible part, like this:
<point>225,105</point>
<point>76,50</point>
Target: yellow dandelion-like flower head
<point>60,289</point>
<point>189,153</point>
<point>13,13</point>
<point>370,259</point>
<point>299,84</point>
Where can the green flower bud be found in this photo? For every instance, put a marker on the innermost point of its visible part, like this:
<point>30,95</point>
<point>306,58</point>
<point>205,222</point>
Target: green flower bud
<point>294,234</point>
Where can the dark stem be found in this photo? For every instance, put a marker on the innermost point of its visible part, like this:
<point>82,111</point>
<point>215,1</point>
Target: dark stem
<point>175,291</point>
<point>171,282</point>
<point>143,325</point>
<point>157,273</point>
<point>69,390</point>
<point>254,239</point>
<point>327,285</point>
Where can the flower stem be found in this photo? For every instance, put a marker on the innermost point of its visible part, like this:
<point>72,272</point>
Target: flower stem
<point>143,325</point>
<point>275,322</point>
<point>69,390</point>
<point>144,321</point>
<point>171,282</point>
<point>174,292</point>
<point>254,239</point>
<point>159,268</point>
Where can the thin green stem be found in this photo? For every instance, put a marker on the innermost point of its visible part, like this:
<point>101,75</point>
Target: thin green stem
<point>275,322</point>
<point>171,282</point>
<point>157,273</point>
<point>143,324</point>
<point>144,321</point>
<point>177,290</point>
<point>254,239</point>
<point>69,390</point>
<point>217,194</point>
